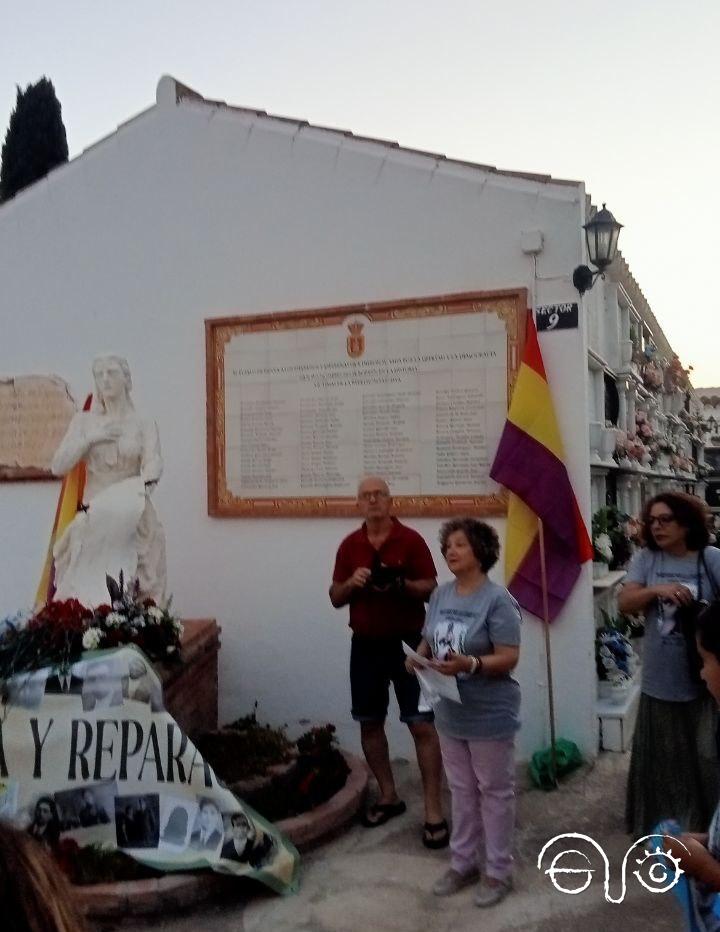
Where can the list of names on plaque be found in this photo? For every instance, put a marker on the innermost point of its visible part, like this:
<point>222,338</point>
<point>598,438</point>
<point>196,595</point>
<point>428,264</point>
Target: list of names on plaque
<point>312,415</point>
<point>460,441</point>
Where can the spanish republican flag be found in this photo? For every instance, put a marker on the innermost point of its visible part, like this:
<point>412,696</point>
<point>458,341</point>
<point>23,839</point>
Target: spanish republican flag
<point>530,464</point>
<point>69,501</point>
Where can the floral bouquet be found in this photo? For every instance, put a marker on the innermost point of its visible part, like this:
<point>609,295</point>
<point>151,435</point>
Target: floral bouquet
<point>130,619</point>
<point>57,634</point>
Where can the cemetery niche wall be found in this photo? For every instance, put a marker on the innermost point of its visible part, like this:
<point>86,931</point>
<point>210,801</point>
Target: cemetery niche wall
<point>302,404</point>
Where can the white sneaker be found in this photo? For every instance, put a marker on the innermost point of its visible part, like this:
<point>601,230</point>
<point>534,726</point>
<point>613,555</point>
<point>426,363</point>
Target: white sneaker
<point>452,881</point>
<point>490,894</point>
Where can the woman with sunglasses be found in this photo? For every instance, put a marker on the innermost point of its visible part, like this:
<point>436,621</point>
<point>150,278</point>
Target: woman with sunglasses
<point>673,767</point>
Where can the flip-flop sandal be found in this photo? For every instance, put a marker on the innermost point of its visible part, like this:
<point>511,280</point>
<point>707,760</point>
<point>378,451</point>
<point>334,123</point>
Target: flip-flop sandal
<point>436,834</point>
<point>381,813</point>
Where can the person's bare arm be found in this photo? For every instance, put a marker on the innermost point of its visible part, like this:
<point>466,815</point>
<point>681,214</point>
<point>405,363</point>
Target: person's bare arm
<point>342,592</point>
<point>634,597</point>
<point>503,659</point>
<point>420,588</point>
<point>696,861</point>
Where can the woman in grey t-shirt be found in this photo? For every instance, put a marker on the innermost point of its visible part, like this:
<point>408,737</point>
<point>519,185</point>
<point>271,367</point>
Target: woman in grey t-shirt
<point>673,767</point>
<point>472,632</point>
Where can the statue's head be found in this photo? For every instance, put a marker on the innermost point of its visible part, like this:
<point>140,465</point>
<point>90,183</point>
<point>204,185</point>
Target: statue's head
<point>112,377</point>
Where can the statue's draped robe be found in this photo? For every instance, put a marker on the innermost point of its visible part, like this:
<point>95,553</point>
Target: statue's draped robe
<point>120,529</point>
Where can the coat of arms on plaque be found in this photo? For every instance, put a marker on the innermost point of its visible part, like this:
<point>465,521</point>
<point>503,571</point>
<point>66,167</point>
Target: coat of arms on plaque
<point>356,340</point>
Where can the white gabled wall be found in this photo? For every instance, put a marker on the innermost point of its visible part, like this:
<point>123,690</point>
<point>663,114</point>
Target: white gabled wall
<point>192,211</point>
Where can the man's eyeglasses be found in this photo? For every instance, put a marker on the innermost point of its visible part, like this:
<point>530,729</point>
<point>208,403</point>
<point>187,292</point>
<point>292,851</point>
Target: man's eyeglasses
<point>662,520</point>
<point>367,496</point>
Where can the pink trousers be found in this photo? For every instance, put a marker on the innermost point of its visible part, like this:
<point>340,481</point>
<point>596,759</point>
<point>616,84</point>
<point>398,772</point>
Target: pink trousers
<point>481,777</point>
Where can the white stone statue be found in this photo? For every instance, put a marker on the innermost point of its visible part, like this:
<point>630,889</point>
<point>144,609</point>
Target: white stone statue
<point>119,529</point>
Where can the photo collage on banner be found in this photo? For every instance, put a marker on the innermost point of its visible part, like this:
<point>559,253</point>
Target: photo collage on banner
<point>92,755</point>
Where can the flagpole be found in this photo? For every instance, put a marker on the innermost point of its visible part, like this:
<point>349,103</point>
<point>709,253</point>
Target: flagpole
<point>548,656</point>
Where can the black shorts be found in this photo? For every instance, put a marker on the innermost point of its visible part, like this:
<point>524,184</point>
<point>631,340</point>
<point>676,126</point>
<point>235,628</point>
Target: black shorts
<point>374,664</point>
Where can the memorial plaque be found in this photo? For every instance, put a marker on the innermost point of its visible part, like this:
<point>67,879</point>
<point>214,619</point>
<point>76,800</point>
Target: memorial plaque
<point>301,405</point>
<point>35,412</point>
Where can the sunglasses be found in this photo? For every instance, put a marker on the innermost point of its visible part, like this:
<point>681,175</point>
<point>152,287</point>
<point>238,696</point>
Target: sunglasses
<point>662,520</point>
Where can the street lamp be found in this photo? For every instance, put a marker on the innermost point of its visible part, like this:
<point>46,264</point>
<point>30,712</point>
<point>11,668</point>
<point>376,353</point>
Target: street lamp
<point>601,235</point>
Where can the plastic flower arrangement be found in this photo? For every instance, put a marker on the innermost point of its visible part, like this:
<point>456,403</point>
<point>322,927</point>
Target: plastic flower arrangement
<point>653,376</point>
<point>57,634</point>
<point>611,543</point>
<point>602,548</point>
<point>676,376</point>
<point>644,428</point>
<point>622,441</point>
<point>615,659</point>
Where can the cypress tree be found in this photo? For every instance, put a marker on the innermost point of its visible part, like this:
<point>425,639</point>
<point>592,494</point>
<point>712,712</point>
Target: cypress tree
<point>35,141</point>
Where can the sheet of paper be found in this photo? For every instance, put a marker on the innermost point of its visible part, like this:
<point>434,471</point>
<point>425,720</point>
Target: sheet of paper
<point>434,685</point>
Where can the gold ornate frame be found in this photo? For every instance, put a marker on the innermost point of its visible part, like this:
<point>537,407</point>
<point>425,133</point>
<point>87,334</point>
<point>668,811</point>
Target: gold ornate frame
<point>510,305</point>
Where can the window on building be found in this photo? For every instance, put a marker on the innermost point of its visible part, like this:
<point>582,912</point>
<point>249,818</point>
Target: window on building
<point>612,400</point>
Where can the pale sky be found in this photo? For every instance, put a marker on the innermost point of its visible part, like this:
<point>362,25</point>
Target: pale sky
<point>622,94</point>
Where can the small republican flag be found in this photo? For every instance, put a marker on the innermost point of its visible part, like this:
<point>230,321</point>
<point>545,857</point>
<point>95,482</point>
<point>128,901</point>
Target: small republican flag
<point>530,464</point>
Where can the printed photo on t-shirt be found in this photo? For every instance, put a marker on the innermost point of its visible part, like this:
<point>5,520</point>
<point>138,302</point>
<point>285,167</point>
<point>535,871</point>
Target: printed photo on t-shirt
<point>449,636</point>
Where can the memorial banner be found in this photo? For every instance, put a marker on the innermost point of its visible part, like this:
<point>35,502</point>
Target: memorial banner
<point>94,757</point>
<point>302,404</point>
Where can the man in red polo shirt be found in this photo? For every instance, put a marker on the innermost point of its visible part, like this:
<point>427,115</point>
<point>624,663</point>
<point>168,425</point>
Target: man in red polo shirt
<point>385,573</point>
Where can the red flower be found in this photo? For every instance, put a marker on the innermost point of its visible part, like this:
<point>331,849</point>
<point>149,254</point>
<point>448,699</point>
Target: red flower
<point>103,610</point>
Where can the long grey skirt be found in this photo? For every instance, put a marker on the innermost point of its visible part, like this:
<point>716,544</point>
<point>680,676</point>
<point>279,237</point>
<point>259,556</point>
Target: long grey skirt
<point>674,765</point>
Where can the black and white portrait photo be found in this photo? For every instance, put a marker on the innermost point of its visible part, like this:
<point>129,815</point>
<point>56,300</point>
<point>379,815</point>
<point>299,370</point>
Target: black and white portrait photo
<point>86,806</point>
<point>45,824</point>
<point>65,683</point>
<point>102,686</point>
<point>141,685</point>
<point>137,821</point>
<point>243,843</point>
<point>207,833</point>
<point>25,690</point>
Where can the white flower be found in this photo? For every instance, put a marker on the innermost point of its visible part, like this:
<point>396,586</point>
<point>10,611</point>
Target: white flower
<point>138,621</point>
<point>178,627</point>
<point>170,649</point>
<point>155,614</point>
<point>114,620</point>
<point>604,547</point>
<point>92,638</point>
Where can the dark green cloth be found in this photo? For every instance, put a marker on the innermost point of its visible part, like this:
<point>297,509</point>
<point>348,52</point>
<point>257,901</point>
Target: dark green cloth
<point>674,770</point>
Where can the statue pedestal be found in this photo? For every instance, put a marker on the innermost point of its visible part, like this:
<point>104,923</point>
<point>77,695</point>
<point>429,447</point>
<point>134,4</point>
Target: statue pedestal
<point>190,688</point>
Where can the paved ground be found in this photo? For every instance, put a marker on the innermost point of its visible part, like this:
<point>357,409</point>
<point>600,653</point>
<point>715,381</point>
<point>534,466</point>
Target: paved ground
<point>380,879</point>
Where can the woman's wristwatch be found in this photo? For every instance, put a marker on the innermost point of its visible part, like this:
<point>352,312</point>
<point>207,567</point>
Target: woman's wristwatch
<point>476,665</point>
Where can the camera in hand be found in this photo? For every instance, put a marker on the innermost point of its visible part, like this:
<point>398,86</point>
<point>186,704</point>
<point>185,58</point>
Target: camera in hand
<point>385,577</point>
